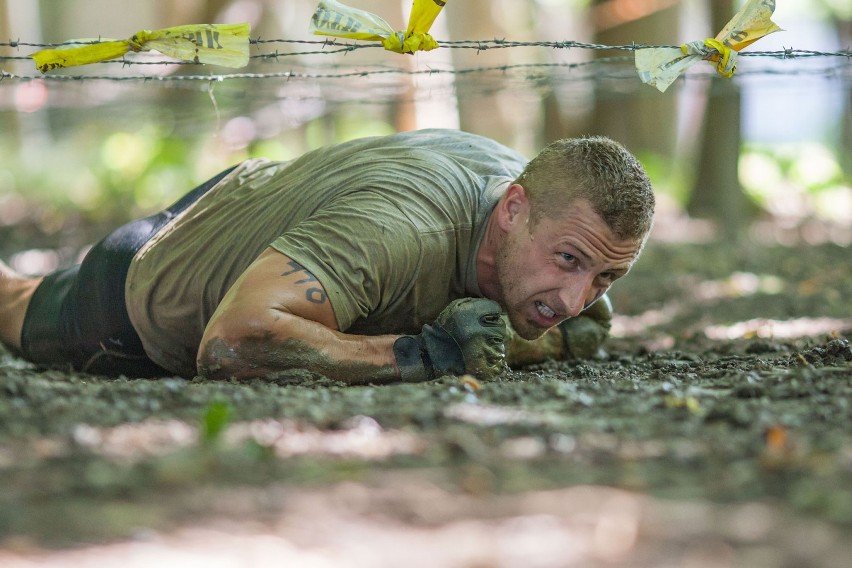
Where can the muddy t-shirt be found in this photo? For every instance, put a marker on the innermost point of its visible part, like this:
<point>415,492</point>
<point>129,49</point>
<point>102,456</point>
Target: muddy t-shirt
<point>390,226</point>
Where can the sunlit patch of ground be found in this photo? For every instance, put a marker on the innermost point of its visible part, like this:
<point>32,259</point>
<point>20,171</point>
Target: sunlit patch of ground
<point>360,437</point>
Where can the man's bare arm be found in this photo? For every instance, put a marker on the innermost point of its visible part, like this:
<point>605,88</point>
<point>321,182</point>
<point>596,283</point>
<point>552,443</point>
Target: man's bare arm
<point>277,316</point>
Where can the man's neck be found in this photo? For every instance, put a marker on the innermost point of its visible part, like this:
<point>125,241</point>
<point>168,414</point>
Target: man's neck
<point>486,256</point>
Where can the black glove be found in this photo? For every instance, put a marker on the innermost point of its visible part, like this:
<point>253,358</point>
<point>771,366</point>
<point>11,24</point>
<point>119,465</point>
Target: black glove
<point>467,337</point>
<point>582,336</point>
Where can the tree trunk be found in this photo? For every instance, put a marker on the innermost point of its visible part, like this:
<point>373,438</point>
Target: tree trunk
<point>716,192</point>
<point>9,123</point>
<point>566,108</point>
<point>481,113</point>
<point>642,119</point>
<point>845,34</point>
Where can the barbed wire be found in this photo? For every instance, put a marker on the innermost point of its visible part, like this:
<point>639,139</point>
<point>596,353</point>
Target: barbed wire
<point>478,44</point>
<point>830,71</point>
<point>596,68</point>
<point>276,56</point>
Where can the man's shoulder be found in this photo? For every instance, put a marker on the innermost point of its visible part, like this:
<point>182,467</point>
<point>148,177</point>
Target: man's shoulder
<point>477,154</point>
<point>451,139</point>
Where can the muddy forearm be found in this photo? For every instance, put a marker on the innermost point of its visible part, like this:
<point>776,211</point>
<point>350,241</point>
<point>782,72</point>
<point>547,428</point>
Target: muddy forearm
<point>520,351</point>
<point>296,343</point>
<point>578,338</point>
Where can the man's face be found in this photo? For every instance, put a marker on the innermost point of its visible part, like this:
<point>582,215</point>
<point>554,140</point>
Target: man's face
<point>554,269</point>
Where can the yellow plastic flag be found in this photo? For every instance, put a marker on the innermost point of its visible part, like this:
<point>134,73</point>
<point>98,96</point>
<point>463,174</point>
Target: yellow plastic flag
<point>338,20</point>
<point>216,44</point>
<point>661,66</point>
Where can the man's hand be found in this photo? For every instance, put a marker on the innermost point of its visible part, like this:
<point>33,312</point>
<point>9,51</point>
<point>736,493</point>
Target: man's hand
<point>467,337</point>
<point>582,336</point>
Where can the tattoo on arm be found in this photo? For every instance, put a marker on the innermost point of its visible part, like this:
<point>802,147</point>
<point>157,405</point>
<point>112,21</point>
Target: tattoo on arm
<point>294,267</point>
<point>313,294</point>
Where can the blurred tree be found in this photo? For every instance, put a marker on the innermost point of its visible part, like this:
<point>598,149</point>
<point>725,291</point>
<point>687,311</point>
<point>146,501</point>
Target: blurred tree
<point>9,123</point>
<point>716,192</point>
<point>475,19</point>
<point>845,34</point>
<point>565,107</point>
<point>403,109</point>
<point>191,11</point>
<point>644,120</point>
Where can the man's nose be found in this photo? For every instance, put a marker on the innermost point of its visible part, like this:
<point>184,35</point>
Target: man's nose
<point>576,295</point>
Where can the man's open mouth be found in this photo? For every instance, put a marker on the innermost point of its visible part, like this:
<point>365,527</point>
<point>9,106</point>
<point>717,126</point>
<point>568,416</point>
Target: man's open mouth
<point>544,310</point>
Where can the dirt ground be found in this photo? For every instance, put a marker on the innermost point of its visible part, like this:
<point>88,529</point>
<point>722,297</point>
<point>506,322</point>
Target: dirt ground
<point>714,432</point>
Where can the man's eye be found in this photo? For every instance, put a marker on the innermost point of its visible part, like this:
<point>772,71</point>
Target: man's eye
<point>569,258</point>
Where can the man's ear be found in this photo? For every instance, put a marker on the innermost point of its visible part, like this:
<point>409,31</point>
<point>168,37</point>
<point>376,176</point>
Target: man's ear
<point>514,207</point>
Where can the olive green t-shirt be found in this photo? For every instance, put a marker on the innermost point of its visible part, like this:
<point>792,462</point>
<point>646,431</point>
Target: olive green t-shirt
<point>390,226</point>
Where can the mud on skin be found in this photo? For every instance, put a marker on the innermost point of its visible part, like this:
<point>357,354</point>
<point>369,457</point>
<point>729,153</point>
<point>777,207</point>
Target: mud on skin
<point>291,355</point>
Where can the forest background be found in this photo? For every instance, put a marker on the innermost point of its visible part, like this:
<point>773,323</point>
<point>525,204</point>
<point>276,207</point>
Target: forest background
<point>79,154</point>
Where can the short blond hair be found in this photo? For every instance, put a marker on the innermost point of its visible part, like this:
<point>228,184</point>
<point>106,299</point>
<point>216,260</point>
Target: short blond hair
<point>599,170</point>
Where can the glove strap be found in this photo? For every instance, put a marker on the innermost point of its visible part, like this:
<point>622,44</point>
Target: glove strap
<point>409,359</point>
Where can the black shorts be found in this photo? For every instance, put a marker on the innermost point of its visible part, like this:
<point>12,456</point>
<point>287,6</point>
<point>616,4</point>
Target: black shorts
<point>78,316</point>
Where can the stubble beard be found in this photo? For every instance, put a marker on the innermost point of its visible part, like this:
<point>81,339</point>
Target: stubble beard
<point>508,283</point>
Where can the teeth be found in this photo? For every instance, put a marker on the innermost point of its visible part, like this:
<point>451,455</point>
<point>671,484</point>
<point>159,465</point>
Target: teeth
<point>544,310</point>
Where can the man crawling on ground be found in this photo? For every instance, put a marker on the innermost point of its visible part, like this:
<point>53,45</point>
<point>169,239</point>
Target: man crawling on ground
<point>403,257</point>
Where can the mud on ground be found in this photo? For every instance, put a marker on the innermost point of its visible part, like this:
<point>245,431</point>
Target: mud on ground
<point>714,432</point>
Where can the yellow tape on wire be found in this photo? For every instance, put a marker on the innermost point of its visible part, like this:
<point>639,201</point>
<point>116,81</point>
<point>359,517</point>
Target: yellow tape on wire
<point>661,66</point>
<point>215,44</point>
<point>332,18</point>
